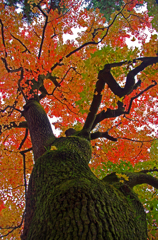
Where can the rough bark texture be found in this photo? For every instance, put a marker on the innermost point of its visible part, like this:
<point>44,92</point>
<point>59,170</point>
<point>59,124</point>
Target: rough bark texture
<point>66,201</point>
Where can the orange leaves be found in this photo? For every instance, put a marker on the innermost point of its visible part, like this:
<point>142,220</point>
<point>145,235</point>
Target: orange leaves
<point>77,73</point>
<point>48,85</point>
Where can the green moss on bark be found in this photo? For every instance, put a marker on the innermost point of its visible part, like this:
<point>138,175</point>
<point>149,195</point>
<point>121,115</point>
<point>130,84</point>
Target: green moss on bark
<point>66,200</point>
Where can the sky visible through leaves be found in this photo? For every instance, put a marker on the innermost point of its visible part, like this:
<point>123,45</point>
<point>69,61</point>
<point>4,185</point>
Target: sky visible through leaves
<point>68,106</point>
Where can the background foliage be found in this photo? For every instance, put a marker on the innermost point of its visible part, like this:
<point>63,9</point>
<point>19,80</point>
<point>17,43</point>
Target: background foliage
<point>37,44</point>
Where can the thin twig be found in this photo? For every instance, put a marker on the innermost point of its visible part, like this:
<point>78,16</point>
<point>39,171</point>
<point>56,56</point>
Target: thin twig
<point>44,29</point>
<point>26,49</point>
<point>90,42</point>
<point>134,140</point>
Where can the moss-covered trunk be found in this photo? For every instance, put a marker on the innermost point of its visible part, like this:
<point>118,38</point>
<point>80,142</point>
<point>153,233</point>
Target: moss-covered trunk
<point>66,201</point>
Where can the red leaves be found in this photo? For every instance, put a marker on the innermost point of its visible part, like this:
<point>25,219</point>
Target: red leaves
<point>77,74</point>
<point>1,206</point>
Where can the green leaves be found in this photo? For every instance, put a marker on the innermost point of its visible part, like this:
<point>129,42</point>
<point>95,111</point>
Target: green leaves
<point>152,6</point>
<point>105,7</point>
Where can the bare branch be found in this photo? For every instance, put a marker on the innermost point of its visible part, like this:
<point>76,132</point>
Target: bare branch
<point>110,113</point>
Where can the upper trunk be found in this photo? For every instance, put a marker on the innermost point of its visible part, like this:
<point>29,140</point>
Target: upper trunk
<point>39,127</point>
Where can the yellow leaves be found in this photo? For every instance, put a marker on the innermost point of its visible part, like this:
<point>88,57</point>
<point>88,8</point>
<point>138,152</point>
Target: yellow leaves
<point>124,176</point>
<point>119,99</point>
<point>31,2</point>
<point>53,148</point>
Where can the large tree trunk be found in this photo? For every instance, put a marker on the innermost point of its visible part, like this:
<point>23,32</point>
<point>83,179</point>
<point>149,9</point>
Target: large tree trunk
<point>66,201</point>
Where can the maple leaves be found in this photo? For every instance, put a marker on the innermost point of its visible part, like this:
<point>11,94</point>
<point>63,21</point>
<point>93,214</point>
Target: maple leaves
<point>36,62</point>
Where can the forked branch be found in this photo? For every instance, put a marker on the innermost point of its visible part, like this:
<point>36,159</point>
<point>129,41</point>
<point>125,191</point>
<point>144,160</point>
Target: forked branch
<point>105,76</point>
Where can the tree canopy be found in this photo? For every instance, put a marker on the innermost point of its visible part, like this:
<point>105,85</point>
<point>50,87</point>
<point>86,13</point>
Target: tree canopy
<point>119,115</point>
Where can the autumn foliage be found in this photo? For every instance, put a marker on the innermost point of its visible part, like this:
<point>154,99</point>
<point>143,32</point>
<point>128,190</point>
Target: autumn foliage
<point>68,69</point>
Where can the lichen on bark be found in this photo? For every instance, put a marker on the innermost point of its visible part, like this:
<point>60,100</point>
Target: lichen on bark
<point>66,200</point>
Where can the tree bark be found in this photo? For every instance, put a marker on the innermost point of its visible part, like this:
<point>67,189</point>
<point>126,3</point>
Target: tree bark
<point>66,201</point>
<point>39,127</point>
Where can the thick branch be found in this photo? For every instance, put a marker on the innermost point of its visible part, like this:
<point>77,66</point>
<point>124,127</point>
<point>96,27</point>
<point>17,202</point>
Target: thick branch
<point>134,179</point>
<point>94,105</point>
<point>105,76</point>
<point>39,86</point>
<point>110,113</point>
<point>140,178</point>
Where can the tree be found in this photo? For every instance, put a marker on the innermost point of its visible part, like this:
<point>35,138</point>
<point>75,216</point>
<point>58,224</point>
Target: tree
<point>97,86</point>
